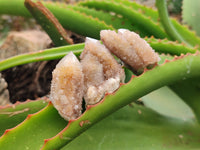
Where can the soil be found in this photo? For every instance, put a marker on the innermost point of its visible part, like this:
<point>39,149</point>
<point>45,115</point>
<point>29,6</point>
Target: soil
<point>29,81</point>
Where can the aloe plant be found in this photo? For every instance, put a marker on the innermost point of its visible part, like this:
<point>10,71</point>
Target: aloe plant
<point>191,14</point>
<point>134,126</point>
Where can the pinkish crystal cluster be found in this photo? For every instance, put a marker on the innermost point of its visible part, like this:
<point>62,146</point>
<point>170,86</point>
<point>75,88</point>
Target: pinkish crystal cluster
<point>67,87</point>
<point>130,48</point>
<point>102,73</point>
<point>98,72</point>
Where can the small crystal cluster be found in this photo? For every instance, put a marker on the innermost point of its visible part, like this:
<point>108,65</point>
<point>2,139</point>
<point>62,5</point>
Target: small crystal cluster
<point>67,87</point>
<point>130,48</point>
<point>102,73</point>
<point>98,72</point>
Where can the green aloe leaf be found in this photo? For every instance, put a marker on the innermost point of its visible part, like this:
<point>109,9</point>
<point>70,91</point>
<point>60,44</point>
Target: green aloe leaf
<point>168,103</point>
<point>132,15</point>
<point>139,86</point>
<point>47,122</point>
<point>136,127</point>
<point>132,128</point>
<point>191,14</point>
<point>70,19</point>
<point>189,92</point>
<point>110,19</point>
<point>30,134</point>
<point>87,25</point>
<point>49,23</point>
<point>14,114</point>
<point>49,54</point>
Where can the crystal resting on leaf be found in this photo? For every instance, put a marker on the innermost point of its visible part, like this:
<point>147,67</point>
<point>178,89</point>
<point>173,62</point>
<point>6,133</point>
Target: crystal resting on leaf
<point>130,48</point>
<point>99,72</point>
<point>67,87</point>
<point>102,73</point>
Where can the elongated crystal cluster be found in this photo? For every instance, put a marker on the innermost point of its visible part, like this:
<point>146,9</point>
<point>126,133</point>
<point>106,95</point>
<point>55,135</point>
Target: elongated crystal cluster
<point>98,72</point>
<point>102,73</point>
<point>130,48</point>
<point>67,87</point>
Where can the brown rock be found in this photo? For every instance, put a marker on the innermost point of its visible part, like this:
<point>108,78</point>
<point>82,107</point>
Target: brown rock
<point>24,42</point>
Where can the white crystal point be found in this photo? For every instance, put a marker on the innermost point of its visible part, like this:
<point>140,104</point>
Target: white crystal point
<point>122,30</point>
<point>67,87</point>
<point>91,39</point>
<point>70,58</point>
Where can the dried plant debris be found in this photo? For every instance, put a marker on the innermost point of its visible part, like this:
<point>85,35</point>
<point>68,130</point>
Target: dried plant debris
<point>130,48</point>
<point>99,72</point>
<point>102,73</point>
<point>67,87</point>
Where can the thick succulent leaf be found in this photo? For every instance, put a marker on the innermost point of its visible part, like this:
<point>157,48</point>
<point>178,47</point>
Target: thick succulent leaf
<point>168,103</point>
<point>136,127</point>
<point>127,12</point>
<point>150,80</point>
<point>188,35</point>
<point>89,26</point>
<point>111,19</point>
<point>139,86</point>
<point>49,23</point>
<point>191,14</point>
<point>50,54</point>
<point>184,31</point>
<point>70,19</point>
<point>189,92</point>
<point>165,101</point>
<point>30,134</point>
<point>14,114</point>
<point>165,46</point>
<point>145,10</point>
<point>36,127</point>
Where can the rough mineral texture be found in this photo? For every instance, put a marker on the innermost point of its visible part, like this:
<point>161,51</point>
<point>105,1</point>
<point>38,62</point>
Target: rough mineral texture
<point>4,94</point>
<point>23,42</point>
<point>102,73</point>
<point>67,87</point>
<point>130,48</point>
<point>99,72</point>
<point>110,66</point>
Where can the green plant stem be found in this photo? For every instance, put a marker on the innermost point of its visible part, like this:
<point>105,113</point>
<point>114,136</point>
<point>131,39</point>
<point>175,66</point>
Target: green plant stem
<point>50,54</point>
<point>168,26</point>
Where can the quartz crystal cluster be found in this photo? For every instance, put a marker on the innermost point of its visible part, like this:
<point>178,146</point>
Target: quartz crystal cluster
<point>102,73</point>
<point>97,72</point>
<point>130,48</point>
<point>67,87</point>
